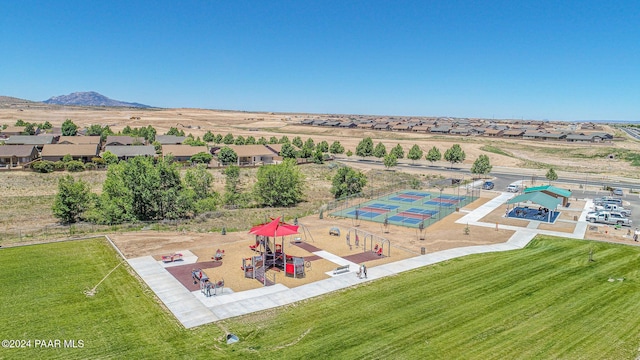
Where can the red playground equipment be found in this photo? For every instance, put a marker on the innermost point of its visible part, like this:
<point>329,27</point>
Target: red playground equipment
<point>272,255</point>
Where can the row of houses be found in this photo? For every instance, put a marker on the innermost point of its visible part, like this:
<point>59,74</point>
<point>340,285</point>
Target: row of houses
<point>530,130</point>
<point>21,154</point>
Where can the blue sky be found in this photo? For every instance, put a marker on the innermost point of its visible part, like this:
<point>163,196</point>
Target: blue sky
<point>556,60</point>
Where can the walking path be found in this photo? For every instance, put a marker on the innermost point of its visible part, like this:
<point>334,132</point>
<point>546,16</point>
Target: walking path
<point>194,309</point>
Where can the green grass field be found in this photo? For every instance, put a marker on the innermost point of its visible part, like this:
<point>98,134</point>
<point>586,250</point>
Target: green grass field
<point>545,301</point>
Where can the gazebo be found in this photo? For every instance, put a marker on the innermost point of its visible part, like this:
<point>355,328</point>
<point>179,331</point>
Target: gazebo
<point>538,198</point>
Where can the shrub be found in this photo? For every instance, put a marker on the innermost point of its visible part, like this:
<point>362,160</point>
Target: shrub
<point>59,165</point>
<point>43,166</point>
<point>75,166</point>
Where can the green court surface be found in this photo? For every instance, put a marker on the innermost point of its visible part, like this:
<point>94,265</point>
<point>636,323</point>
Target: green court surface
<point>410,208</point>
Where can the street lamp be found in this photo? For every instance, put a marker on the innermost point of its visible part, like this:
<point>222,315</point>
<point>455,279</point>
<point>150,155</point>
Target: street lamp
<point>440,205</point>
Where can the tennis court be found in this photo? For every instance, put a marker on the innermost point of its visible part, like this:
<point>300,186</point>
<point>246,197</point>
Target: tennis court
<point>406,208</point>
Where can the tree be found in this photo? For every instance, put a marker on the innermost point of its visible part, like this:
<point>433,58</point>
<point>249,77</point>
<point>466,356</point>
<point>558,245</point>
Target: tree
<point>288,151</point>
<point>69,128</point>
<point>454,154</point>
<point>279,185</point>
<point>227,156</point>
<point>217,139</point>
<point>336,148</point>
<point>390,160</point>
<point>239,140</point>
<point>201,157</point>
<point>415,153</point>
<point>29,129</point>
<point>208,136</point>
<point>310,144</point>
<point>273,140</point>
<point>174,131</point>
<point>349,153</point>
<point>434,155</point>
<point>297,141</point>
<point>262,141</point>
<point>380,150</point>
<point>551,175</point>
<point>318,157</point>
<point>346,182</point>
<point>250,140</point>
<point>109,158</point>
<point>232,174</point>
<point>228,139</point>
<point>72,199</point>
<point>365,147</point>
<point>306,152</point>
<point>21,122</point>
<point>323,146</point>
<point>398,151</point>
<point>199,179</point>
<point>482,165</point>
<point>284,139</point>
<point>46,126</point>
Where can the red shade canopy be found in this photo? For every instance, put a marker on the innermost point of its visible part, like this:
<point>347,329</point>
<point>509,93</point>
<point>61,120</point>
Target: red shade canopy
<point>274,228</point>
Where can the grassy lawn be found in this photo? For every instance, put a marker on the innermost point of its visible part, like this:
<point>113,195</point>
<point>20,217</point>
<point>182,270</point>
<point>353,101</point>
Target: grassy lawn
<point>545,301</point>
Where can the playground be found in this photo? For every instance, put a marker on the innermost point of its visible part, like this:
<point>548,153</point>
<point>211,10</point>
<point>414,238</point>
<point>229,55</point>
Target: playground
<point>409,208</point>
<point>352,244</point>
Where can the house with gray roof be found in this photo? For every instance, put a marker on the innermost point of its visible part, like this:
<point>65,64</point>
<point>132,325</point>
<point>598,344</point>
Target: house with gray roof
<point>38,141</point>
<point>170,139</point>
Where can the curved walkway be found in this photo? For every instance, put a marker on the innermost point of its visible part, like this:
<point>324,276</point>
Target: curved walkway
<point>194,309</point>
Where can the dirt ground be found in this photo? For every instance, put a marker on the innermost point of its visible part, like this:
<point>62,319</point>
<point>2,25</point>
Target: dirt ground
<point>405,243</point>
<point>199,121</point>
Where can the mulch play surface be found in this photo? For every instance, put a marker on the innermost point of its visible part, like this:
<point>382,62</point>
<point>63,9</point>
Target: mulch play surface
<point>183,273</point>
<point>307,246</point>
<point>363,256</point>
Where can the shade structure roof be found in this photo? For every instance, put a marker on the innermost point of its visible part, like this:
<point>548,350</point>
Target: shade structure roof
<point>551,189</point>
<point>274,228</point>
<point>539,198</point>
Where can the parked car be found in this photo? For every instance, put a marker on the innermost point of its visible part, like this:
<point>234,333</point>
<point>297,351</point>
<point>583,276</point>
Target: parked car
<point>608,200</point>
<point>618,192</point>
<point>614,208</point>
<point>606,217</point>
<point>488,185</point>
<point>514,188</point>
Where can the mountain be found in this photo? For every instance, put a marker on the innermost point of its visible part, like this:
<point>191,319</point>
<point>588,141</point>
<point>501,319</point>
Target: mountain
<point>90,98</point>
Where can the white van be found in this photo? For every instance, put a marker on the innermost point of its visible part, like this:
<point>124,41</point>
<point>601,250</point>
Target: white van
<point>514,188</point>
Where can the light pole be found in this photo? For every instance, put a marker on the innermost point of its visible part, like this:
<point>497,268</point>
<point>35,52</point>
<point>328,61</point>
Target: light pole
<point>440,205</point>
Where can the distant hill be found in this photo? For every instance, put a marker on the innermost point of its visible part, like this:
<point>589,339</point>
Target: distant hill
<point>90,98</point>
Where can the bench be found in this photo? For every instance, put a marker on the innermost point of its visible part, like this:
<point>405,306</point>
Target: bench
<point>341,269</point>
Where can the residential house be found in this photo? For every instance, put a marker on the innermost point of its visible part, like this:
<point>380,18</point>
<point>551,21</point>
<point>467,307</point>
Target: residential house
<point>513,133</point>
<point>443,129</point>
<point>348,124</point>
<point>39,141</point>
<point>11,131</point>
<point>17,155</point>
<point>123,140</point>
<point>170,139</point>
<point>182,152</point>
<point>125,152</point>
<point>79,140</point>
<point>421,128</point>
<point>381,126</point>
<point>402,127</point>
<point>254,154</point>
<point>82,152</point>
